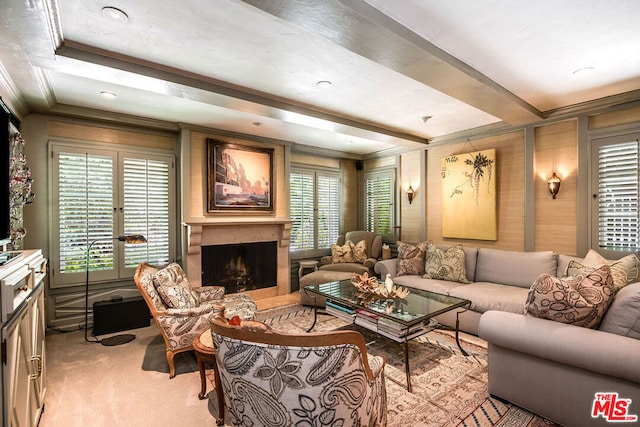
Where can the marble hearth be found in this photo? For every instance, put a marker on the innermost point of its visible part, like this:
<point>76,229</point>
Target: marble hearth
<point>202,234</point>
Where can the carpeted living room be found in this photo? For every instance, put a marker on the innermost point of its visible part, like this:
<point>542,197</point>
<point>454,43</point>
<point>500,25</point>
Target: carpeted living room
<point>128,385</point>
<point>319,213</point>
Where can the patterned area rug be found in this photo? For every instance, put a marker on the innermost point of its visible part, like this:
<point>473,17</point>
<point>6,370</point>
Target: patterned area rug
<point>449,389</point>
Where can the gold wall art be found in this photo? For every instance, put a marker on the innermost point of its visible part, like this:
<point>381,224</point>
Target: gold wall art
<point>469,195</point>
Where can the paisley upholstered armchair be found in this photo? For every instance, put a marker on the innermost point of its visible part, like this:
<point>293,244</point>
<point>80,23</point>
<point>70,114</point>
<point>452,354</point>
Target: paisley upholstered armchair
<point>273,379</point>
<point>183,312</point>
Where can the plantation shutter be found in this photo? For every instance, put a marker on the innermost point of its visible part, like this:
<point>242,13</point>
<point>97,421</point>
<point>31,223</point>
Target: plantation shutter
<point>146,209</point>
<point>379,202</point>
<point>85,195</point>
<point>302,207</point>
<point>99,194</point>
<point>617,195</point>
<point>328,190</point>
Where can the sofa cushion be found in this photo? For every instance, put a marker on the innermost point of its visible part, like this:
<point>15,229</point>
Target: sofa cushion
<point>486,296</point>
<point>578,300</point>
<point>513,267</point>
<point>445,265</point>
<point>470,258</point>
<point>623,316</point>
<point>411,258</point>
<point>431,285</point>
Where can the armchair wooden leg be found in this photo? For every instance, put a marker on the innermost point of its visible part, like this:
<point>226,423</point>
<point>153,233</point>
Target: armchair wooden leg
<point>219,395</point>
<point>172,365</point>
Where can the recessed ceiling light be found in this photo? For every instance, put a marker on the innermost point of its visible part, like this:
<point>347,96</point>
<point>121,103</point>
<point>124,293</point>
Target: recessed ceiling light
<point>108,94</point>
<point>324,84</point>
<point>115,14</point>
<point>582,72</point>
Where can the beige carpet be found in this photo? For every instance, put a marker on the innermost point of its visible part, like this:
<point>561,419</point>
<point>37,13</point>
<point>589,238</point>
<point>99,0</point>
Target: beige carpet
<point>449,389</point>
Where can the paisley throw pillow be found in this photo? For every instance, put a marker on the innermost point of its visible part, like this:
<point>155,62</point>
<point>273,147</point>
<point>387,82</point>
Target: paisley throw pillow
<point>580,300</point>
<point>411,258</point>
<point>445,265</point>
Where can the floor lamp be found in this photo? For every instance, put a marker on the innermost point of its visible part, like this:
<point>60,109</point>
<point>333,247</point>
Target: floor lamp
<point>134,239</point>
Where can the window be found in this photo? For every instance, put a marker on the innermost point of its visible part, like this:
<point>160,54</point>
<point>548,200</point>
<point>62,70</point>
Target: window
<point>101,194</point>
<point>616,215</point>
<point>315,209</point>
<point>379,196</point>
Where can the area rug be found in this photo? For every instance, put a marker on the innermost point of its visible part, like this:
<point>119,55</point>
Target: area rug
<point>449,389</point>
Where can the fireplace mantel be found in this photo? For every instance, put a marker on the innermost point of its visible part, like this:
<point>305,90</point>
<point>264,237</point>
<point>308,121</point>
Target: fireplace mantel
<point>204,233</point>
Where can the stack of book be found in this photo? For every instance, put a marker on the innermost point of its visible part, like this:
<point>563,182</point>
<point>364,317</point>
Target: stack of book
<point>393,329</point>
<point>340,311</point>
<point>366,319</point>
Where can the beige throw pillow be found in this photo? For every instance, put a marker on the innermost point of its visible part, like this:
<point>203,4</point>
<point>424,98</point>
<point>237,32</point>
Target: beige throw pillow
<point>578,300</point>
<point>341,254</point>
<point>411,259</point>
<point>628,264</point>
<point>359,251</point>
<point>445,265</point>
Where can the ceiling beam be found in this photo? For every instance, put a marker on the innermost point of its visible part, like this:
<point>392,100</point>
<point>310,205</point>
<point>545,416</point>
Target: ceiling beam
<point>364,30</point>
<point>238,98</point>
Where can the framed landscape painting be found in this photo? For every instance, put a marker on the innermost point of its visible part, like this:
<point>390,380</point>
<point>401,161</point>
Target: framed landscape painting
<point>469,195</point>
<point>239,177</point>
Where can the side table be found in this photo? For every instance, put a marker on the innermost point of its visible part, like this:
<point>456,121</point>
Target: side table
<point>307,263</point>
<point>203,346</point>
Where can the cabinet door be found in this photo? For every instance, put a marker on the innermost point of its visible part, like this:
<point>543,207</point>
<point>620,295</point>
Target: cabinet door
<point>36,312</point>
<point>17,384</point>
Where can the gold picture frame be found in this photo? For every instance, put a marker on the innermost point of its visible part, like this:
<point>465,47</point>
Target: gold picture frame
<point>239,177</point>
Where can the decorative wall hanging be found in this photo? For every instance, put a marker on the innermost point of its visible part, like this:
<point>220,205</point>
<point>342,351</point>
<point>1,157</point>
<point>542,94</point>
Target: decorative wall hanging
<point>469,196</point>
<point>20,183</point>
<point>239,177</point>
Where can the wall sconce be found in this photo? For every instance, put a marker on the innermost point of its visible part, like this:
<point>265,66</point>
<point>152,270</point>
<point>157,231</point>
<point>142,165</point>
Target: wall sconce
<point>554,184</point>
<point>410,194</point>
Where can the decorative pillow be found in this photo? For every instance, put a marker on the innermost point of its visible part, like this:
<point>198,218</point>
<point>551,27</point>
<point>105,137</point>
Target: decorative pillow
<point>411,258</point>
<point>445,265</point>
<point>177,296</point>
<point>171,275</point>
<point>628,263</point>
<point>578,300</point>
<point>341,254</point>
<point>174,287</point>
<point>359,251</point>
<point>618,273</point>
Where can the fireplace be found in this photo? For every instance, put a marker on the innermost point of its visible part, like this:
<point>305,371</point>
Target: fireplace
<point>240,267</point>
<point>199,235</point>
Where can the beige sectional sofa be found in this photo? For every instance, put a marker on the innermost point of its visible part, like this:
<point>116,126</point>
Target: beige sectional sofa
<point>499,280</point>
<point>550,368</point>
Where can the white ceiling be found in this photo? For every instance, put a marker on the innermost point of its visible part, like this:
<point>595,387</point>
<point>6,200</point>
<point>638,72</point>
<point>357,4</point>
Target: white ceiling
<point>252,66</point>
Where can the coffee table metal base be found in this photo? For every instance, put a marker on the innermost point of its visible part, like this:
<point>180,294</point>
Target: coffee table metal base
<point>405,341</point>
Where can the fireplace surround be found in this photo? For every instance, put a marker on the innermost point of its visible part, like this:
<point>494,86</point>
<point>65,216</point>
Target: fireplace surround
<point>233,232</point>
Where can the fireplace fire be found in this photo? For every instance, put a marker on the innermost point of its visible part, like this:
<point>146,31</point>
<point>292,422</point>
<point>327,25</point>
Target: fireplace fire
<point>240,267</point>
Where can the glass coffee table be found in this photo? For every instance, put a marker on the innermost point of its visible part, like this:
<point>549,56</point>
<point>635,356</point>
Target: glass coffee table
<point>399,319</point>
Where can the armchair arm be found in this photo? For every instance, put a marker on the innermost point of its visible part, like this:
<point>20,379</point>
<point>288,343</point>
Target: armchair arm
<point>208,293</point>
<point>584,348</point>
<point>370,262</point>
<point>386,266</point>
<point>326,260</point>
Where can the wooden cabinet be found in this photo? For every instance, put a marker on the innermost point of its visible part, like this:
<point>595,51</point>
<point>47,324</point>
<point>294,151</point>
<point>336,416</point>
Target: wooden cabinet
<point>23,344</point>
